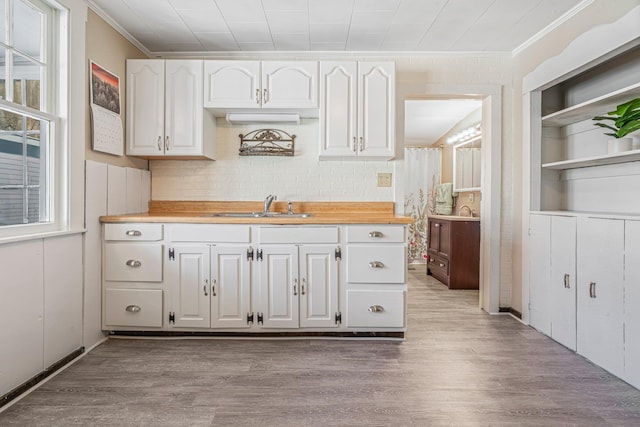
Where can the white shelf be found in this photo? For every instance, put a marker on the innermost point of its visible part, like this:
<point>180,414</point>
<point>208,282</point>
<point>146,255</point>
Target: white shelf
<point>607,159</point>
<point>594,107</point>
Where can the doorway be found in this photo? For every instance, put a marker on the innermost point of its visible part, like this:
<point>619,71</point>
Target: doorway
<point>490,99</point>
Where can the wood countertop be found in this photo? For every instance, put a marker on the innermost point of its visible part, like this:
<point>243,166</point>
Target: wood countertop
<point>198,212</point>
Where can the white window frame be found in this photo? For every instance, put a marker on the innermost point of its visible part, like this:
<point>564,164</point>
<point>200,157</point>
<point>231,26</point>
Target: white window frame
<point>54,106</point>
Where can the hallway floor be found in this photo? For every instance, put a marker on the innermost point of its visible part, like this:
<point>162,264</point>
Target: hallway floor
<point>458,367</point>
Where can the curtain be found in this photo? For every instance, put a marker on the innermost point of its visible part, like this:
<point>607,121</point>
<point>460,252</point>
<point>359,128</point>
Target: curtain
<point>422,174</point>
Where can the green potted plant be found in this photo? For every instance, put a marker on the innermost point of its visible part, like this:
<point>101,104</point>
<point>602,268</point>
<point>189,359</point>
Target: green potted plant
<point>623,121</point>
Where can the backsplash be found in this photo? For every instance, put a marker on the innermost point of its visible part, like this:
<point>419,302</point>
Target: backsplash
<point>302,177</point>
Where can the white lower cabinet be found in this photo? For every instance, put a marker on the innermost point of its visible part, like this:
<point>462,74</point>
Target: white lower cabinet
<point>298,286</point>
<point>134,307</point>
<point>562,287</point>
<point>375,308</point>
<point>600,292</point>
<point>540,273</point>
<point>632,303</point>
<point>230,286</point>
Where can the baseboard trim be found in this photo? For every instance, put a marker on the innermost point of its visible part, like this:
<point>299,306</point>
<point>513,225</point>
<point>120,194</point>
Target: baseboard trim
<point>22,388</point>
<point>515,313</point>
<point>231,335</point>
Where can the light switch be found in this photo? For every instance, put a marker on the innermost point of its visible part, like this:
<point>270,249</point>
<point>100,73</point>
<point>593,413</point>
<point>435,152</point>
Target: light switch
<point>384,180</point>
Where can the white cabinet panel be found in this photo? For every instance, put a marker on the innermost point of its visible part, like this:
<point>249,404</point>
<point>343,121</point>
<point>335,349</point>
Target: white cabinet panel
<point>183,113</point>
<point>232,84</point>
<point>230,287</point>
<point>600,292</point>
<point>133,308</point>
<point>376,264</point>
<point>376,108</point>
<point>21,313</point>
<point>188,276</point>
<point>133,190</point>
<point>133,262</point>
<point>290,84</point>
<point>540,273</point>
<point>131,231</point>
<point>116,190</point>
<point>632,303</point>
<point>318,286</point>
<point>279,286</point>
<point>62,297</point>
<point>563,280</point>
<point>375,308</point>
<point>375,234</point>
<point>338,108</point>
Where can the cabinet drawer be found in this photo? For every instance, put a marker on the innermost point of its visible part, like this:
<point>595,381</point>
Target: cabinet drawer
<point>136,232</point>
<point>133,262</point>
<point>293,235</point>
<point>210,233</point>
<point>133,307</point>
<point>438,263</point>
<point>376,264</point>
<point>375,233</point>
<point>375,309</point>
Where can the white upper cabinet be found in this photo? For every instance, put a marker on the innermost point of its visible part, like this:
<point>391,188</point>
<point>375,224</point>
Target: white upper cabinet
<point>261,84</point>
<point>357,110</point>
<point>165,114</point>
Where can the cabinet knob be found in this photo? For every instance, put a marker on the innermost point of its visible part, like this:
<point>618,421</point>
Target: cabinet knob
<point>376,264</point>
<point>373,234</point>
<point>134,263</point>
<point>133,308</point>
<point>436,225</point>
<point>133,233</point>
<point>441,265</point>
<point>376,309</point>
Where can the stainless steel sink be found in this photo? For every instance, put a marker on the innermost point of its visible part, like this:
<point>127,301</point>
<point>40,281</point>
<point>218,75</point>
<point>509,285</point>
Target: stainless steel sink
<point>259,215</point>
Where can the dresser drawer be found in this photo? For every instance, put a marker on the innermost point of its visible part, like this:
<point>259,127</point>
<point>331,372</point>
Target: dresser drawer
<point>438,263</point>
<point>133,307</point>
<point>293,235</point>
<point>375,309</point>
<point>133,232</point>
<point>133,262</point>
<point>375,233</point>
<point>376,264</point>
<point>210,233</point>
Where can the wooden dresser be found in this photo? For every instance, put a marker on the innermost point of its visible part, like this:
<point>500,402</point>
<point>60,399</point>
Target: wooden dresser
<point>453,254</point>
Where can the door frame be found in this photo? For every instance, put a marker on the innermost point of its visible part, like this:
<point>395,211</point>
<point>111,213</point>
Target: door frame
<point>491,153</point>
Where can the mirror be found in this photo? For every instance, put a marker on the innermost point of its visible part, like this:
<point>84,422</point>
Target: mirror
<point>466,165</point>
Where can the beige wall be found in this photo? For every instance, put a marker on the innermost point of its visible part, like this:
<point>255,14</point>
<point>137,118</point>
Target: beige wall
<point>598,13</point>
<point>108,48</point>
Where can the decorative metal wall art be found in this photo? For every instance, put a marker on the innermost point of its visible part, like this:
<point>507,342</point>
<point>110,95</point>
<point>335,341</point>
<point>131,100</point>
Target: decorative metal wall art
<point>267,142</point>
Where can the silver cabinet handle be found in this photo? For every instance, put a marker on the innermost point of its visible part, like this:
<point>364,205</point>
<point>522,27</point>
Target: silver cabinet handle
<point>304,282</point>
<point>204,288</point>
<point>133,308</point>
<point>441,265</point>
<point>376,264</point>
<point>353,146</point>
<point>373,234</point>
<point>295,287</point>
<point>166,143</point>
<point>436,225</point>
<point>133,233</point>
<point>376,309</point>
<point>361,148</point>
<point>592,289</point>
<point>134,263</point>
<point>258,96</point>
<point>265,96</point>
<point>213,287</point>
<point>566,281</point>
<point>160,143</point>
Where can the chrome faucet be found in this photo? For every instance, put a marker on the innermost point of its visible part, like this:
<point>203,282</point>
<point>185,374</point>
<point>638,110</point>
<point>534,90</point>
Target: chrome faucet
<point>469,212</point>
<point>267,202</point>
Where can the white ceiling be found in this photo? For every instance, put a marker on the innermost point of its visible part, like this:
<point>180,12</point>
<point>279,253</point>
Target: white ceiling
<point>426,121</point>
<point>173,26</point>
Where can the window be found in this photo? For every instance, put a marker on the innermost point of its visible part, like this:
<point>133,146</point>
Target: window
<point>27,116</point>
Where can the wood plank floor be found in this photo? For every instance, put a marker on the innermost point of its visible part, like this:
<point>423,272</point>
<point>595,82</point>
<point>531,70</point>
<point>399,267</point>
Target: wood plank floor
<point>458,367</point>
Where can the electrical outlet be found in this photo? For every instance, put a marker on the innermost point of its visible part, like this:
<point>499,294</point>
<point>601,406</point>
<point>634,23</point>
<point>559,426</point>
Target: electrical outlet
<point>471,197</point>
<point>384,180</point>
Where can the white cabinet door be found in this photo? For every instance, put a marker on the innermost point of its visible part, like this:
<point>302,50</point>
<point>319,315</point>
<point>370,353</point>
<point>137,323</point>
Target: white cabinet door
<point>318,286</point>
<point>145,107</point>
<point>632,303</point>
<point>230,287</point>
<point>184,108</point>
<point>279,286</point>
<point>376,107</point>
<point>338,108</point>
<point>539,272</point>
<point>290,84</point>
<point>188,285</point>
<point>600,292</point>
<point>563,280</point>
<point>232,84</point>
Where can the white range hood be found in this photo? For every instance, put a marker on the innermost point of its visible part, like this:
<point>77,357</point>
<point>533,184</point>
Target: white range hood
<point>243,118</point>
